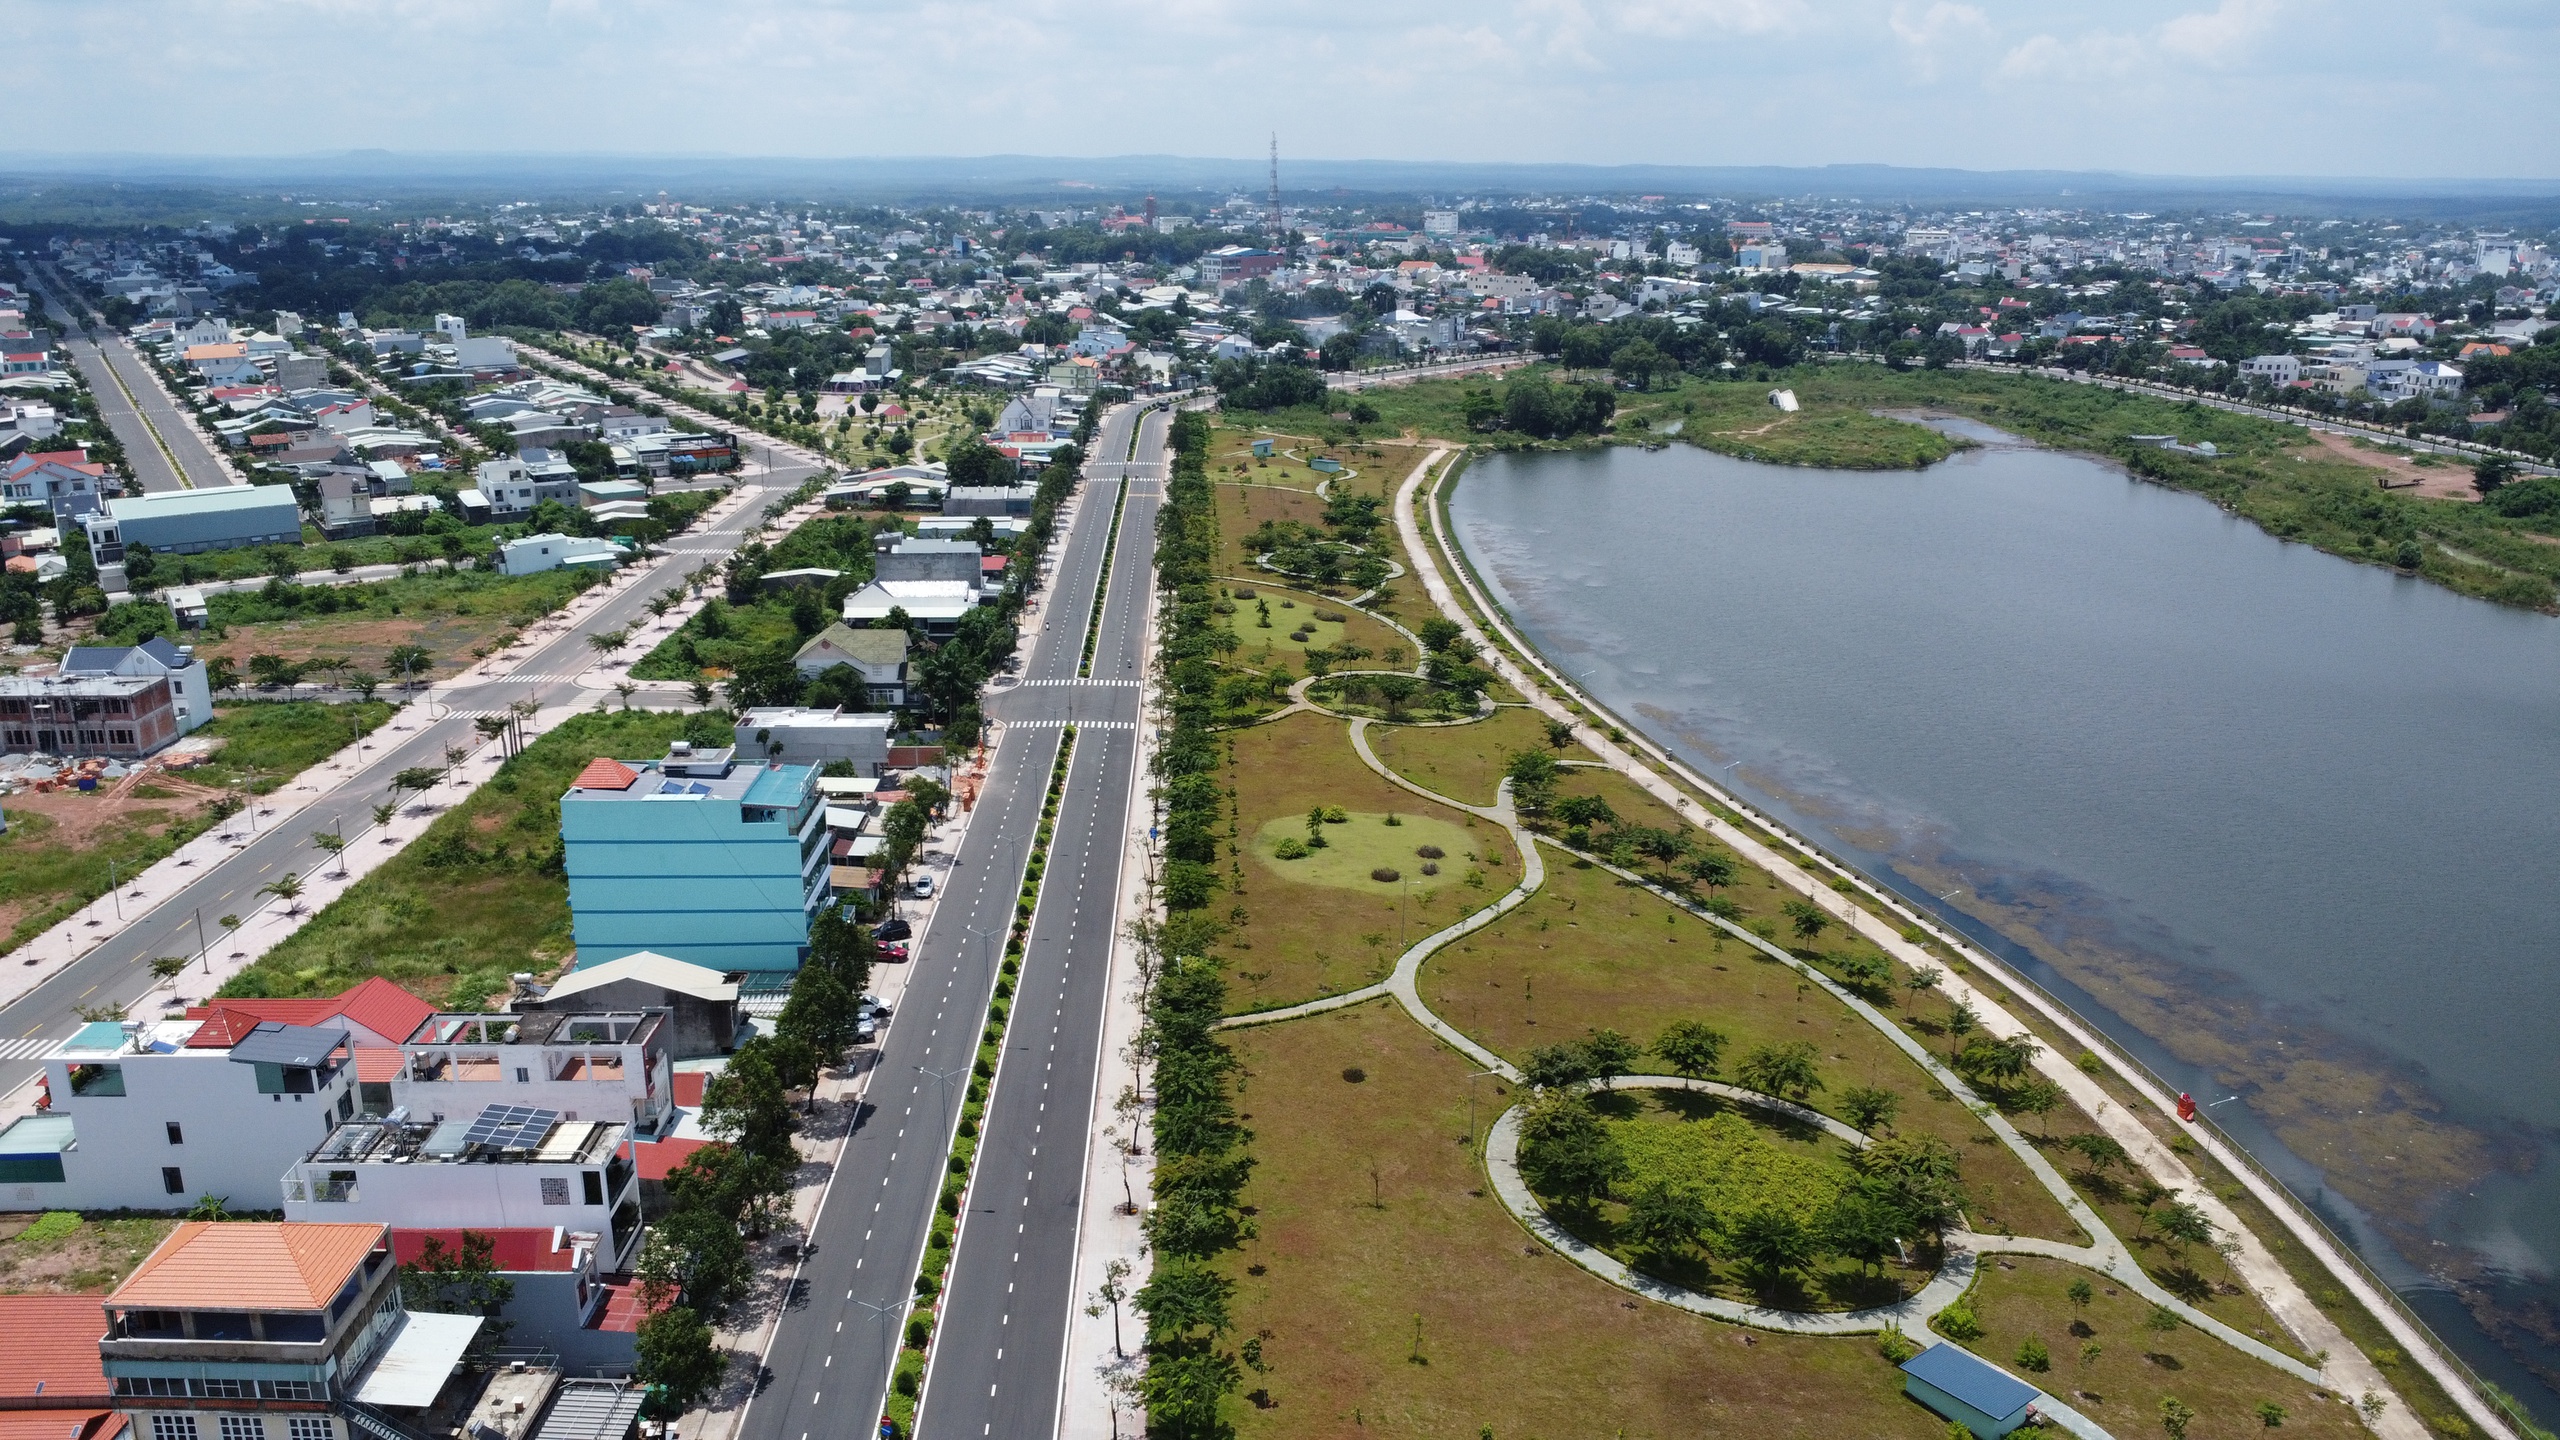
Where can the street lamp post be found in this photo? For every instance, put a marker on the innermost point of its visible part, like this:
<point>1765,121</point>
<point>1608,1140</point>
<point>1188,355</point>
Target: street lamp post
<point>943,1078</point>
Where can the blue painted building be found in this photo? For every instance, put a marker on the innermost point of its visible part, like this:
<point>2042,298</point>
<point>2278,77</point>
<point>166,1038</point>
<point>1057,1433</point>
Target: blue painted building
<point>695,856</point>
<point>1963,1386</point>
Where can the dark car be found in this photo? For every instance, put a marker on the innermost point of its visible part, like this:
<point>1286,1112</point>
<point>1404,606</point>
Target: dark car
<point>892,930</point>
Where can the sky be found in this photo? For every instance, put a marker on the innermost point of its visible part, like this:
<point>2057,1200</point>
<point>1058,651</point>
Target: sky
<point>2403,88</point>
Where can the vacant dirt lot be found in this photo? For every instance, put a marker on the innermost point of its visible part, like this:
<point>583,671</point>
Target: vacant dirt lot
<point>2450,480</point>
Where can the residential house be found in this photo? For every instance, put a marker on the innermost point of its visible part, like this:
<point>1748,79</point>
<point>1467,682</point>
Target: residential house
<point>878,655</point>
<point>511,488</point>
<point>558,1300</point>
<point>937,605</point>
<point>66,482</point>
<point>346,507</point>
<point>190,696</point>
<point>248,1330</point>
<point>588,1063</point>
<point>120,717</point>
<point>987,500</point>
<point>696,856</point>
<point>53,1386</point>
<point>700,1003</point>
<point>2276,370</point>
<point>800,735</point>
<point>908,557</point>
<point>497,1164</point>
<point>152,1115</point>
<point>535,554</point>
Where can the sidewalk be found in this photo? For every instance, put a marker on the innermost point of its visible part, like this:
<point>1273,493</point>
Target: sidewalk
<point>1102,1353</point>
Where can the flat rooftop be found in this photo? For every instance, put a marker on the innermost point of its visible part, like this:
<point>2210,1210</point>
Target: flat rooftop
<point>538,1027</point>
<point>497,1135</point>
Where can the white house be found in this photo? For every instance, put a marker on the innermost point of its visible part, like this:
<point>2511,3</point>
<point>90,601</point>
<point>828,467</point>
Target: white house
<point>937,605</point>
<point>2277,370</point>
<point>535,554</point>
<point>501,1165</point>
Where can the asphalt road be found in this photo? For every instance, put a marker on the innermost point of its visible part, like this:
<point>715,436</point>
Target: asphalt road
<point>117,379</point>
<point>119,970</point>
<point>826,1368</point>
<point>999,1361</point>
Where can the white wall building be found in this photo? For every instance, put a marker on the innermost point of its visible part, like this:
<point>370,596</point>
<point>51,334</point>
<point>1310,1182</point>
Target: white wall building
<point>502,1166</point>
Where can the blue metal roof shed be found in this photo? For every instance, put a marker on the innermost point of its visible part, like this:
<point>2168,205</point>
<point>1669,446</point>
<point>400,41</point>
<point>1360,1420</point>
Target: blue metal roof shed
<point>1963,1386</point>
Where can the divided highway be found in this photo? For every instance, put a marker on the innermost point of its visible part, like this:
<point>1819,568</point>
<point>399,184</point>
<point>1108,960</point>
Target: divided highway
<point>827,1367</point>
<point>163,449</point>
<point>999,1355</point>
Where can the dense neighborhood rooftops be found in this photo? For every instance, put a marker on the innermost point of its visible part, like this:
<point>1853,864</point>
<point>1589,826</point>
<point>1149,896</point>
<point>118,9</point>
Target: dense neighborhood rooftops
<point>249,1265</point>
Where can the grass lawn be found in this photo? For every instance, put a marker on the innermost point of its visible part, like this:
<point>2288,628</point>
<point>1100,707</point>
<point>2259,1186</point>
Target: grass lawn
<point>1364,843</point>
<point>1296,612</point>
<point>62,1253</point>
<point>1463,762</point>
<point>2019,1297</point>
<point>54,858</point>
<point>1242,509</point>
<point>475,898</point>
<point>2196,1274</point>
<point>1588,952</point>
<point>1737,1159</point>
<point>1373,1215</point>
<point>1301,940</point>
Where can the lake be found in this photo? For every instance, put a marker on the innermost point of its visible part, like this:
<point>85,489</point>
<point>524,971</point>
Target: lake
<point>2282,824</point>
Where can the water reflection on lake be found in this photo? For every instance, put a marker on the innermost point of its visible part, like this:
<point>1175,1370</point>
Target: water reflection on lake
<point>2298,809</point>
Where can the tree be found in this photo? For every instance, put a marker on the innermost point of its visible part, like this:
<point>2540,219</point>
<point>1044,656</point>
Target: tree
<point>1916,1175</point>
<point>1607,1052</point>
<point>1922,978</point>
<point>2491,474</point>
<point>1395,693</point>
<point>1566,1151</point>
<point>1560,734</point>
<point>1183,1390</point>
<point>2100,1153</point>
<point>1557,1067</point>
<point>1868,1107</point>
<point>219,672</point>
<point>1181,1299</point>
<point>1584,810</point>
<point>1113,1289</point>
<point>1533,779</point>
<point>1864,1224</point>
<point>2175,1416</point>
<point>1692,1048</point>
<point>1962,1020</point>
<point>676,1361</point>
<point>2270,1414</point>
<point>287,888</point>
<point>1711,868</point>
<point>363,682</point>
<point>1768,1243</point>
<point>2181,1223</point>
<point>460,1281</point>
<point>328,841</point>
<point>1787,1071</point>
<point>1810,920</point>
<point>2038,1098</point>
<point>744,1103</point>
<point>821,1016</point>
<point>408,661</point>
<point>1665,1219</point>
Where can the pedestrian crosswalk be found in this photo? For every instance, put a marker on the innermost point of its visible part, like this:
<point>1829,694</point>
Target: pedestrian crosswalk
<point>27,1048</point>
<point>1060,684</point>
<point>1062,724</point>
<point>521,678</point>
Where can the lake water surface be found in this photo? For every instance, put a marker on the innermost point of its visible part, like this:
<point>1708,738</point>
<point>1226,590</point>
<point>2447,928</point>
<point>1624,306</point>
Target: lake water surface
<point>2297,819</point>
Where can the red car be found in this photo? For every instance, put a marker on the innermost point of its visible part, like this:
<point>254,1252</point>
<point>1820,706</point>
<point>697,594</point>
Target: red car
<point>893,952</point>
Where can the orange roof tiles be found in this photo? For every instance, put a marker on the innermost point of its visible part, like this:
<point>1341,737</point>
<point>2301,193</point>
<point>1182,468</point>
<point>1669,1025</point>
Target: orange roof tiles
<point>605,773</point>
<point>49,1424</point>
<point>391,1013</point>
<point>249,1265</point>
<point>378,1064</point>
<point>52,1341</point>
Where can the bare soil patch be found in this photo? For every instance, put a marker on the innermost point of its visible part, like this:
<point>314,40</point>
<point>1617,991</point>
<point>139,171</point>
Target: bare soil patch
<point>2449,481</point>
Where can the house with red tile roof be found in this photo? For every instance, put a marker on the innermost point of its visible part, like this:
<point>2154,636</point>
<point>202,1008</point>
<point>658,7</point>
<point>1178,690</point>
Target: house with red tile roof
<point>156,1115</point>
<point>52,1384</point>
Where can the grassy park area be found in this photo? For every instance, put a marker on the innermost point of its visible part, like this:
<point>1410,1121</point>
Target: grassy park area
<point>57,1252</point>
<point>476,898</point>
<point>1382,1287</point>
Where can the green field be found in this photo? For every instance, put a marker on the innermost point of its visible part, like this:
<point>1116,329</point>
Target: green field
<point>476,898</point>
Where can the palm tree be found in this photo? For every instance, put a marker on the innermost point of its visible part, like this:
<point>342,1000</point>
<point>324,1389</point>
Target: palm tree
<point>329,840</point>
<point>287,888</point>
<point>626,690</point>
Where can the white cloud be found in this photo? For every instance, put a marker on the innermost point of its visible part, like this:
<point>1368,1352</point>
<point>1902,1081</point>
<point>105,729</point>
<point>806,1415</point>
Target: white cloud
<point>1944,31</point>
<point>2217,37</point>
<point>2093,56</point>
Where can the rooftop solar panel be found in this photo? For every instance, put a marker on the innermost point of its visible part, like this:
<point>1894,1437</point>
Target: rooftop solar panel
<point>510,1127</point>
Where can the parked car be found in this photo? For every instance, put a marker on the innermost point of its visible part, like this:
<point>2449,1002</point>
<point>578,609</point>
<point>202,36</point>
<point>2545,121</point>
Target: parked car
<point>864,1032</point>
<point>921,887</point>
<point>893,952</point>
<point>892,929</point>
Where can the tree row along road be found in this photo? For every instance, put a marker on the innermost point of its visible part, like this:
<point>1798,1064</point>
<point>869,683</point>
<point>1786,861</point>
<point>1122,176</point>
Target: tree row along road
<point>118,971</point>
<point>162,446</point>
<point>826,1368</point>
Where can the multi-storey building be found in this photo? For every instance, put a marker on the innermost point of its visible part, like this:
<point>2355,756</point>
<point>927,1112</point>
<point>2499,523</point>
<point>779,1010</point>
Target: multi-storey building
<point>237,1330</point>
<point>584,1064</point>
<point>695,856</point>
